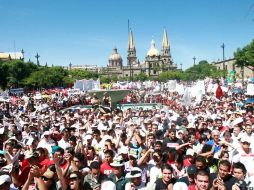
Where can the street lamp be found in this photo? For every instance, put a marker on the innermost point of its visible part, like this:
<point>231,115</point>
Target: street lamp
<point>223,59</point>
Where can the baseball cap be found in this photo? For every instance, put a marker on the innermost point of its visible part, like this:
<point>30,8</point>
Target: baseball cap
<point>190,152</point>
<point>245,139</point>
<point>192,169</point>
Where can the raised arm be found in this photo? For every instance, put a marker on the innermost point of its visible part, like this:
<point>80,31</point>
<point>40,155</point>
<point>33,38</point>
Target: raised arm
<point>59,172</point>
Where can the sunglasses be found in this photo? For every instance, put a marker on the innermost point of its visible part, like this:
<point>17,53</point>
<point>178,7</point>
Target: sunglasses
<point>44,178</point>
<point>73,178</point>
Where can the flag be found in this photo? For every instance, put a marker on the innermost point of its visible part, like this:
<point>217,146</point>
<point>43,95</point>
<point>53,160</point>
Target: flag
<point>219,92</point>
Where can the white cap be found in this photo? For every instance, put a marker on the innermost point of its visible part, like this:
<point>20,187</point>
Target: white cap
<point>1,130</point>
<point>109,185</point>
<point>46,133</point>
<point>124,150</point>
<point>237,121</point>
<point>180,186</point>
<point>4,178</point>
<point>245,139</point>
<point>88,137</point>
<point>190,152</point>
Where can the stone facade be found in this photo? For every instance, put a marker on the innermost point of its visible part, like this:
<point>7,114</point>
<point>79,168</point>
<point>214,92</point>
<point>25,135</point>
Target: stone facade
<point>230,65</point>
<point>154,63</point>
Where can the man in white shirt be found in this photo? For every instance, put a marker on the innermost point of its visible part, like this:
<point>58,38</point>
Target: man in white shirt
<point>46,141</point>
<point>64,142</point>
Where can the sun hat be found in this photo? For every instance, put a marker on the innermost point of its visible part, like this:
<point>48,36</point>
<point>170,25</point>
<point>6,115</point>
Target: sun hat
<point>134,173</point>
<point>117,162</point>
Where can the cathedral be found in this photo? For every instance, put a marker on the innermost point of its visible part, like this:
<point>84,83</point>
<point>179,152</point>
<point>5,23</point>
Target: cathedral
<point>155,61</point>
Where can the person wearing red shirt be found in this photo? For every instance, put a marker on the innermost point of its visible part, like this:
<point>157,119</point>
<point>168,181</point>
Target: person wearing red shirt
<point>189,158</point>
<point>106,168</point>
<point>59,152</point>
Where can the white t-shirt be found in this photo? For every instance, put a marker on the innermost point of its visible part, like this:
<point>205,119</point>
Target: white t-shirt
<point>142,186</point>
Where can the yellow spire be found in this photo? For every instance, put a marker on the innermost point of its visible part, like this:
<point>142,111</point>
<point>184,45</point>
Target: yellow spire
<point>131,41</point>
<point>165,40</point>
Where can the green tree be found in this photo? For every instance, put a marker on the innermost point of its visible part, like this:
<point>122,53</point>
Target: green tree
<point>14,71</point>
<point>3,74</point>
<point>170,75</point>
<point>105,79</point>
<point>79,74</point>
<point>245,56</point>
<point>141,77</point>
<point>46,77</point>
<point>201,71</point>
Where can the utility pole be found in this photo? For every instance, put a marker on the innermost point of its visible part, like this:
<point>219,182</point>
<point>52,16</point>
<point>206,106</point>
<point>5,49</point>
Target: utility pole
<point>194,60</point>
<point>223,59</point>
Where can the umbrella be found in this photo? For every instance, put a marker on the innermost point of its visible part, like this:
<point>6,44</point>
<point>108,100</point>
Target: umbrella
<point>237,91</point>
<point>249,101</point>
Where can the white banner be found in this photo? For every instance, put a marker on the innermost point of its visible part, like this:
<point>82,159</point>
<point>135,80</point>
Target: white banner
<point>72,92</point>
<point>250,89</point>
<point>86,85</point>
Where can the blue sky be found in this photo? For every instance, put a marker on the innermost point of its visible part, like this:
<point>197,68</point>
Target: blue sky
<point>85,32</point>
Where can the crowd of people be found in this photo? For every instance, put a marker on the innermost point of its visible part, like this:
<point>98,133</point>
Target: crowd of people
<point>205,145</point>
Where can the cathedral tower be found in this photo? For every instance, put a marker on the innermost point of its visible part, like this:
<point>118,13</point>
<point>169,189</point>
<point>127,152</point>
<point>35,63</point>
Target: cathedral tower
<point>165,52</point>
<point>131,57</point>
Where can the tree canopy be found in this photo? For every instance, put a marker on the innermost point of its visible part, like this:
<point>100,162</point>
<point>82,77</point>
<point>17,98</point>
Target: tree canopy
<point>46,77</point>
<point>245,56</point>
<point>13,72</point>
<point>17,73</point>
<point>200,71</point>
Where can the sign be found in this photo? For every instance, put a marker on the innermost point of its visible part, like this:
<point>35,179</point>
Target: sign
<point>145,106</point>
<point>72,92</point>
<point>17,91</point>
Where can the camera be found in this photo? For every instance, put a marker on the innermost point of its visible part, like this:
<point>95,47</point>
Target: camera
<point>243,185</point>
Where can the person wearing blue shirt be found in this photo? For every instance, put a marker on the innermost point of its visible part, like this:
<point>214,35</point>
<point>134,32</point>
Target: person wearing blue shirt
<point>215,141</point>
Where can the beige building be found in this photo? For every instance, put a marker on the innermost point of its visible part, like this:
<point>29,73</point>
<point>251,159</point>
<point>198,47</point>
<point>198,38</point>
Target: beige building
<point>6,56</point>
<point>230,65</point>
<point>155,62</point>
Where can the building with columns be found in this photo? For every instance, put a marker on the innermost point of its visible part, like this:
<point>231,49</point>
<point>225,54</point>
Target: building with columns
<point>155,61</point>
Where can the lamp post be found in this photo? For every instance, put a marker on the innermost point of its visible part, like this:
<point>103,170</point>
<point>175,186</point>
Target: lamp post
<point>194,60</point>
<point>70,66</point>
<point>223,59</point>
